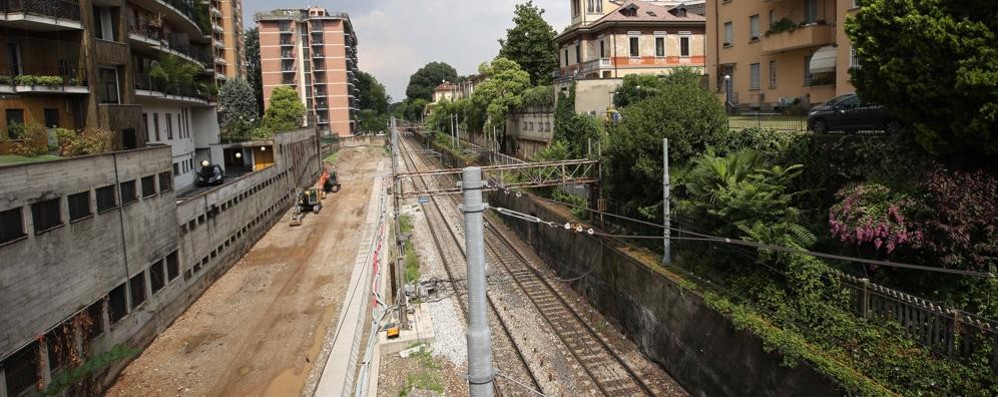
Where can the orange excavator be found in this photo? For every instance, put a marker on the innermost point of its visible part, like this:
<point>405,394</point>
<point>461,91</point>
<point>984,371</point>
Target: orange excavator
<point>310,200</point>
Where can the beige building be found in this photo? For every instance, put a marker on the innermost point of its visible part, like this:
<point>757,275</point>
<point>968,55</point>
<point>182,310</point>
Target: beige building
<point>446,91</point>
<point>764,53</point>
<point>608,40</point>
<point>227,38</point>
<point>315,52</point>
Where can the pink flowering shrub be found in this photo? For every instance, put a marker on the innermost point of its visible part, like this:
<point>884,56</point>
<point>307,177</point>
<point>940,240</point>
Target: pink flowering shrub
<point>870,215</point>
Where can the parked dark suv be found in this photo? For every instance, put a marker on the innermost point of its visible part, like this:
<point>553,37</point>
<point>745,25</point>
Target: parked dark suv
<point>849,113</point>
<point>209,175</point>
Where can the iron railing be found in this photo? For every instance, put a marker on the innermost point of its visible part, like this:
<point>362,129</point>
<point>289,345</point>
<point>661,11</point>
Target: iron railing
<point>146,82</point>
<point>40,75</point>
<point>65,9</point>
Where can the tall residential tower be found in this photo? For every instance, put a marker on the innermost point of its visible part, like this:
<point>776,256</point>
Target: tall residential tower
<point>315,52</point>
<point>227,38</point>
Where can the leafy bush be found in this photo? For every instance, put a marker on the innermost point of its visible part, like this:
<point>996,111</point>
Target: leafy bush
<point>540,96</point>
<point>90,141</point>
<point>962,224</point>
<point>770,143</point>
<point>5,80</point>
<point>32,140</point>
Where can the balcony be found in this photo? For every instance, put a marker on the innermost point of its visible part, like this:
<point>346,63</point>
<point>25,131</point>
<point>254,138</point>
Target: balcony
<point>153,38</point>
<point>596,65</point>
<point>812,35</point>
<point>148,88</point>
<point>41,15</point>
<point>43,79</point>
<point>180,13</point>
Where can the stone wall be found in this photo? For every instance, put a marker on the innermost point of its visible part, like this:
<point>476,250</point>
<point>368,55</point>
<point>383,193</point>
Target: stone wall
<point>672,326</point>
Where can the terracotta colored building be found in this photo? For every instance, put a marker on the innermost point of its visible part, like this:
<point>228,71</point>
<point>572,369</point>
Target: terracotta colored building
<point>315,52</point>
<point>227,38</point>
<point>763,53</point>
<point>88,63</point>
<point>608,40</point>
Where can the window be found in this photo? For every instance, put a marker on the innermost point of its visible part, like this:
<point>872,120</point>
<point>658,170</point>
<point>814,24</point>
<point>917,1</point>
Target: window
<point>79,206</point>
<point>108,85</point>
<point>808,77</point>
<point>105,199</point>
<point>578,53</point>
<point>145,125</point>
<point>772,74</point>
<point>14,57</point>
<point>14,117</point>
<point>575,7</point>
<point>810,11</point>
<point>602,49</point>
<point>128,193</point>
<point>104,21</point>
<point>659,46</point>
<point>155,124</point>
<point>566,57</point>
<point>157,277</point>
<point>172,266</point>
<point>284,26</point>
<point>176,168</point>
<point>754,76</point>
<point>169,126</point>
<point>772,17</point>
<point>634,46</point>
<point>20,370</point>
<point>853,58</point>
<point>149,186</point>
<point>165,182</point>
<point>117,306</point>
<point>684,46</point>
<point>754,27</point>
<point>11,225</point>
<point>96,313</point>
<point>45,215</point>
<point>51,118</point>
<point>729,34</point>
<point>137,287</point>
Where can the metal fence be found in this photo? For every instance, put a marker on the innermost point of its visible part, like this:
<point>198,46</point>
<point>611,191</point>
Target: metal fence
<point>66,9</point>
<point>767,121</point>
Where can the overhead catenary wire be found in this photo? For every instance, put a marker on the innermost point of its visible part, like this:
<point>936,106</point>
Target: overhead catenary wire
<point>698,236</point>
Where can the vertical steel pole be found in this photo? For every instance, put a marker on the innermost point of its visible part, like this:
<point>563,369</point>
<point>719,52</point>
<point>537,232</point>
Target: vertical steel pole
<point>398,268</point>
<point>480,372</point>
<point>667,256</point>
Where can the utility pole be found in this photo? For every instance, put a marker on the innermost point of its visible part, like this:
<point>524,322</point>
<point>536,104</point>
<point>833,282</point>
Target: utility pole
<point>667,256</point>
<point>480,371</point>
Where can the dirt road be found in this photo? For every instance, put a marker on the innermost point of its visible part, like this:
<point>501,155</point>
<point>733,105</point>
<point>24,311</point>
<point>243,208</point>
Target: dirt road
<point>258,329</point>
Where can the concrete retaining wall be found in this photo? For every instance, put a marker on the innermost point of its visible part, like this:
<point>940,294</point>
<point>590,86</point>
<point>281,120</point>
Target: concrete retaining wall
<point>674,327</point>
<point>47,277</point>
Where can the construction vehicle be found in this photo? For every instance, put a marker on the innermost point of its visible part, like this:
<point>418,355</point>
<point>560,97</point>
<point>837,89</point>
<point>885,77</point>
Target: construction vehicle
<point>329,182</point>
<point>310,200</point>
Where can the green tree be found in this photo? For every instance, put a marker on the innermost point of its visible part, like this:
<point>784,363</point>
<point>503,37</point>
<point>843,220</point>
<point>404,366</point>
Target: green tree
<point>372,93</point>
<point>426,79</point>
<point>530,43</point>
<point>238,107</point>
<point>690,116</point>
<point>574,131</point>
<point>372,122</point>
<point>933,64</point>
<point>502,90</point>
<point>254,75</point>
<point>285,111</point>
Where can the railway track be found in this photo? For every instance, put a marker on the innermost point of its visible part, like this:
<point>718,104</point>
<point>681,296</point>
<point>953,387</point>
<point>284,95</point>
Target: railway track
<point>507,354</point>
<point>607,371</point>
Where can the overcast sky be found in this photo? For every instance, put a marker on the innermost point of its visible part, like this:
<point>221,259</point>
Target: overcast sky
<point>397,37</point>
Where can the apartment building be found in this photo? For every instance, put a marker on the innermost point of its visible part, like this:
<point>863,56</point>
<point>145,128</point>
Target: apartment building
<point>764,54</point>
<point>608,40</point>
<point>315,52</point>
<point>446,91</point>
<point>90,64</point>
<point>227,38</point>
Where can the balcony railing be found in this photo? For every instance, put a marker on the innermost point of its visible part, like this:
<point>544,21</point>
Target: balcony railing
<point>811,35</point>
<point>146,82</point>
<point>46,75</point>
<point>66,9</point>
<point>186,7</point>
<point>596,65</point>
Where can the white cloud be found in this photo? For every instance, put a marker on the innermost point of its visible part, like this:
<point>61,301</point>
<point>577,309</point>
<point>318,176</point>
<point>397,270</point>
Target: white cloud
<point>397,37</point>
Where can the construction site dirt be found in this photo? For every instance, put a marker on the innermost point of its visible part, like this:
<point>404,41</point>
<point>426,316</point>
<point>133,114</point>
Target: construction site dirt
<point>257,331</point>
